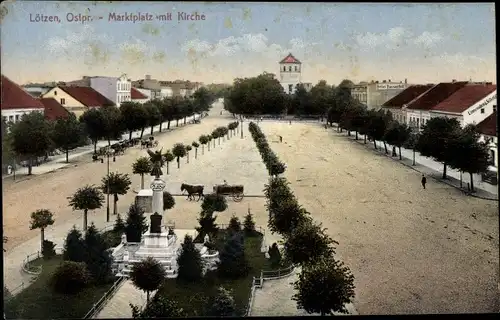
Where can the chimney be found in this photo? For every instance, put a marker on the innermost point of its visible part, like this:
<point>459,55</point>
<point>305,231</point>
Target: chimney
<point>148,77</point>
<point>406,81</point>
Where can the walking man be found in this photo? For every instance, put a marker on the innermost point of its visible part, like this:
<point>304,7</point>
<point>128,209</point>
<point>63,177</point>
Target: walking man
<point>424,180</point>
<point>281,139</point>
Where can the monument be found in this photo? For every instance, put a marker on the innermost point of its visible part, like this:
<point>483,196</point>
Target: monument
<point>159,241</point>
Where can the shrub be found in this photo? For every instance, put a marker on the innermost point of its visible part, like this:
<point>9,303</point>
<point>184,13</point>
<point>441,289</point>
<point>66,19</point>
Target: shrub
<point>70,277</point>
<point>249,225</point>
<point>168,201</point>
<point>214,202</point>
<point>189,262</point>
<point>233,263</point>
<point>223,304</point>
<point>136,224</point>
<point>120,226</point>
<point>234,225</point>
<point>73,246</point>
<point>207,224</point>
<point>274,255</point>
<point>48,249</point>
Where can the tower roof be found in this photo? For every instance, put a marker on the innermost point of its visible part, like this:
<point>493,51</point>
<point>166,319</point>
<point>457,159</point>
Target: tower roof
<point>290,59</point>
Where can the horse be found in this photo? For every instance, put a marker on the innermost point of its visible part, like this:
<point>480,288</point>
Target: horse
<point>192,191</point>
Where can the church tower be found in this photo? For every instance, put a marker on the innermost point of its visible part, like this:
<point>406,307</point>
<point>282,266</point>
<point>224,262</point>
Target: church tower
<point>290,73</point>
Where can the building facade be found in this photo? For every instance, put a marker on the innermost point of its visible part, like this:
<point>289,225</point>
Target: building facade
<point>469,105</point>
<point>37,90</point>
<point>113,88</point>
<point>137,95</point>
<point>16,102</point>
<point>123,90</point>
<point>374,94</point>
<point>395,105</point>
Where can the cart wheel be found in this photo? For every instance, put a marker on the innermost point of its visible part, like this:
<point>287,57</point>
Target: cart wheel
<point>238,197</point>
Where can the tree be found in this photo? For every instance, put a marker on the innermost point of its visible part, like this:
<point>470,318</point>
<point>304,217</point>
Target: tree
<point>168,201</point>
<point>167,111</point>
<point>86,198</point>
<point>468,154</point>
<point>234,225</point>
<point>223,304</point>
<point>169,157</point>
<point>74,246</point>
<point>210,138</point>
<point>97,257</point>
<point>134,116</point>
<point>136,223</point>
<point>93,123</point>
<point>305,236</point>
<point>48,249</point>
<point>153,115</point>
<point>203,140</point>
<point>158,307</point>
<point>120,226</point>
<point>397,135</point>
<point>376,128</point>
<point>324,287</point>
<point>233,262</point>
<point>249,225</point>
<point>41,219</point>
<point>196,145</point>
<point>70,277</point>
<point>202,100</point>
<point>320,99</point>
<point>411,143</point>
<point>31,137</point>
<point>67,134</point>
<point>115,184</point>
<point>188,148</point>
<point>179,151</point>
<point>142,166</point>
<point>207,224</point>
<point>112,125</point>
<point>189,262</point>
<point>214,202</point>
<point>147,275</point>
<point>437,138</point>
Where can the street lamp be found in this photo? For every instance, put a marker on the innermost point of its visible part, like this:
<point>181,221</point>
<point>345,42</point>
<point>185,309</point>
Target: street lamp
<point>107,187</point>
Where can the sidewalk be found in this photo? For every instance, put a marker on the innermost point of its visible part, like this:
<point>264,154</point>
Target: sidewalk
<point>432,169</point>
<point>59,161</point>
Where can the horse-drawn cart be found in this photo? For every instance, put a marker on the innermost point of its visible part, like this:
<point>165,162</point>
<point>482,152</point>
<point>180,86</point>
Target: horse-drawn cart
<point>234,191</point>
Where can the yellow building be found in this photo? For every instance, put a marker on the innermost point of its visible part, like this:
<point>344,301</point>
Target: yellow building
<point>78,99</point>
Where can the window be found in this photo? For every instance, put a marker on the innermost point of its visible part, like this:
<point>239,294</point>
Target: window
<point>290,87</point>
<point>17,117</point>
<point>11,118</point>
<point>4,119</point>
<point>482,110</point>
<point>55,93</point>
<point>418,121</point>
<point>63,101</point>
<point>494,108</point>
<point>491,158</point>
<point>296,68</point>
<point>290,68</point>
<point>284,68</point>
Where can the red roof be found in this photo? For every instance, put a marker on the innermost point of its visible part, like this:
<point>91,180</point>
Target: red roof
<point>290,59</point>
<point>465,98</point>
<point>88,96</point>
<point>136,94</point>
<point>53,110</point>
<point>13,96</point>
<point>436,95</point>
<point>489,125</point>
<point>407,95</point>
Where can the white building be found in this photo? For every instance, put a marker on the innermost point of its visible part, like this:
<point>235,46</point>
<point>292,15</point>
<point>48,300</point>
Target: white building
<point>115,89</point>
<point>166,92</point>
<point>469,105</point>
<point>417,112</point>
<point>16,102</point>
<point>140,95</point>
<point>488,129</point>
<point>395,105</point>
<point>374,94</point>
<point>291,74</point>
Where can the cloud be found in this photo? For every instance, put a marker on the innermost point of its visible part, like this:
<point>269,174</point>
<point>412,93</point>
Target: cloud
<point>397,37</point>
<point>247,43</point>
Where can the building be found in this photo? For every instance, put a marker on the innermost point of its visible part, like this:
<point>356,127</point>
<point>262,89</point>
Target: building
<point>374,94</point>
<point>78,99</point>
<point>113,88</point>
<point>396,103</point>
<point>470,105</point>
<point>291,74</point>
<point>150,84</point>
<point>418,110</point>
<point>137,95</point>
<point>53,109</point>
<point>37,90</point>
<point>489,134</point>
<point>16,102</point>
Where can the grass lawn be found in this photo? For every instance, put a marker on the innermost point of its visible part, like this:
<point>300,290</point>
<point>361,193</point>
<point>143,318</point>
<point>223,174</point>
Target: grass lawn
<point>193,297</point>
<point>38,301</point>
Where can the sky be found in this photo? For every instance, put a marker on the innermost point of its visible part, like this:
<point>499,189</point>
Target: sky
<point>423,43</point>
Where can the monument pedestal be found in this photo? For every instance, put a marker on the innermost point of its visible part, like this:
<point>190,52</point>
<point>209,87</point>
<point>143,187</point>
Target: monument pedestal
<point>156,239</point>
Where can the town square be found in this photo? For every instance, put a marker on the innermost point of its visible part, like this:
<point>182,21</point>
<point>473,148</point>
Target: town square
<point>244,175</point>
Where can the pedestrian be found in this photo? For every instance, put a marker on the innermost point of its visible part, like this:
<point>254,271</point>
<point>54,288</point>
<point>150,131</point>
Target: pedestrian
<point>424,180</point>
<point>290,122</point>
<point>281,139</point>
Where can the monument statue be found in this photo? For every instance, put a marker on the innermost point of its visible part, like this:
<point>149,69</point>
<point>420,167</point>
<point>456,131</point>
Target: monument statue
<point>206,239</point>
<point>156,157</point>
<point>155,226</point>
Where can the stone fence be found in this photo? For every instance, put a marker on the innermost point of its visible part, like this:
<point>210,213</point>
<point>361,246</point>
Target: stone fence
<point>35,270</point>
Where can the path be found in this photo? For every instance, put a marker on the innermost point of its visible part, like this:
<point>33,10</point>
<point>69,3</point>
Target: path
<point>119,305</point>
